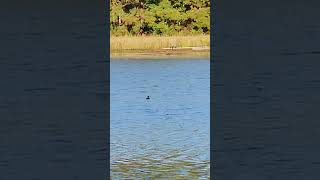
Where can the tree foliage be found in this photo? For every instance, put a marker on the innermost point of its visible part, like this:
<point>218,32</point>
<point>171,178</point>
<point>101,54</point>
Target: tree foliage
<point>159,17</point>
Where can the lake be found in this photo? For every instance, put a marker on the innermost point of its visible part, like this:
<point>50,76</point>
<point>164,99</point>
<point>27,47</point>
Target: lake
<point>168,135</point>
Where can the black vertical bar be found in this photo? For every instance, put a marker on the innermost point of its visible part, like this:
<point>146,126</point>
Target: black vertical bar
<point>54,95</point>
<point>107,120</point>
<point>212,82</point>
<point>265,90</point>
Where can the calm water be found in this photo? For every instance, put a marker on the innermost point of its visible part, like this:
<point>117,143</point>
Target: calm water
<point>167,136</point>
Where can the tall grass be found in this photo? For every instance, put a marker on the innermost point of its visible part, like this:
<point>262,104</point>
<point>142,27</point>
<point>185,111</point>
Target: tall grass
<point>157,42</point>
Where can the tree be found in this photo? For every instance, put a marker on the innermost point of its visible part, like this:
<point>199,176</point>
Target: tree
<point>159,17</point>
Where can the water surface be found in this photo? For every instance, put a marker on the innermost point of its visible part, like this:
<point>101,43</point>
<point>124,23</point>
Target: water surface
<point>167,136</point>
<point>160,54</point>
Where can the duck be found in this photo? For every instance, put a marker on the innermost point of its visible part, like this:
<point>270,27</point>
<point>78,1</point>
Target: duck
<point>148,97</point>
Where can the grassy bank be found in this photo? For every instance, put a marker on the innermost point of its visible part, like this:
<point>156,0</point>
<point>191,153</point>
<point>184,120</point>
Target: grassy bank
<point>157,42</point>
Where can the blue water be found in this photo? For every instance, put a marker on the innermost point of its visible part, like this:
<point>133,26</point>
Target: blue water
<point>168,135</point>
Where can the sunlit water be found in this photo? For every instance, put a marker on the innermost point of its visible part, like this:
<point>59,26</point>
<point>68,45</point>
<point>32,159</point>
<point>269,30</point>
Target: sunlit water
<point>167,136</point>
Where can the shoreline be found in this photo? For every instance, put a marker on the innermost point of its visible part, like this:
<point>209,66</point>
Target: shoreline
<point>164,53</point>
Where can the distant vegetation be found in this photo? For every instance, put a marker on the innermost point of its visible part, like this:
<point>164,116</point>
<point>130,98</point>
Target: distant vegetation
<point>159,17</point>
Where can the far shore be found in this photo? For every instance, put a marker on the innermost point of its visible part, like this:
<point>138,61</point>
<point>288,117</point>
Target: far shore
<point>197,46</point>
<point>162,53</point>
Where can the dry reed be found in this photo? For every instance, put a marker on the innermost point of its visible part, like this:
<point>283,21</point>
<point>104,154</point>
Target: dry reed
<point>157,42</point>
